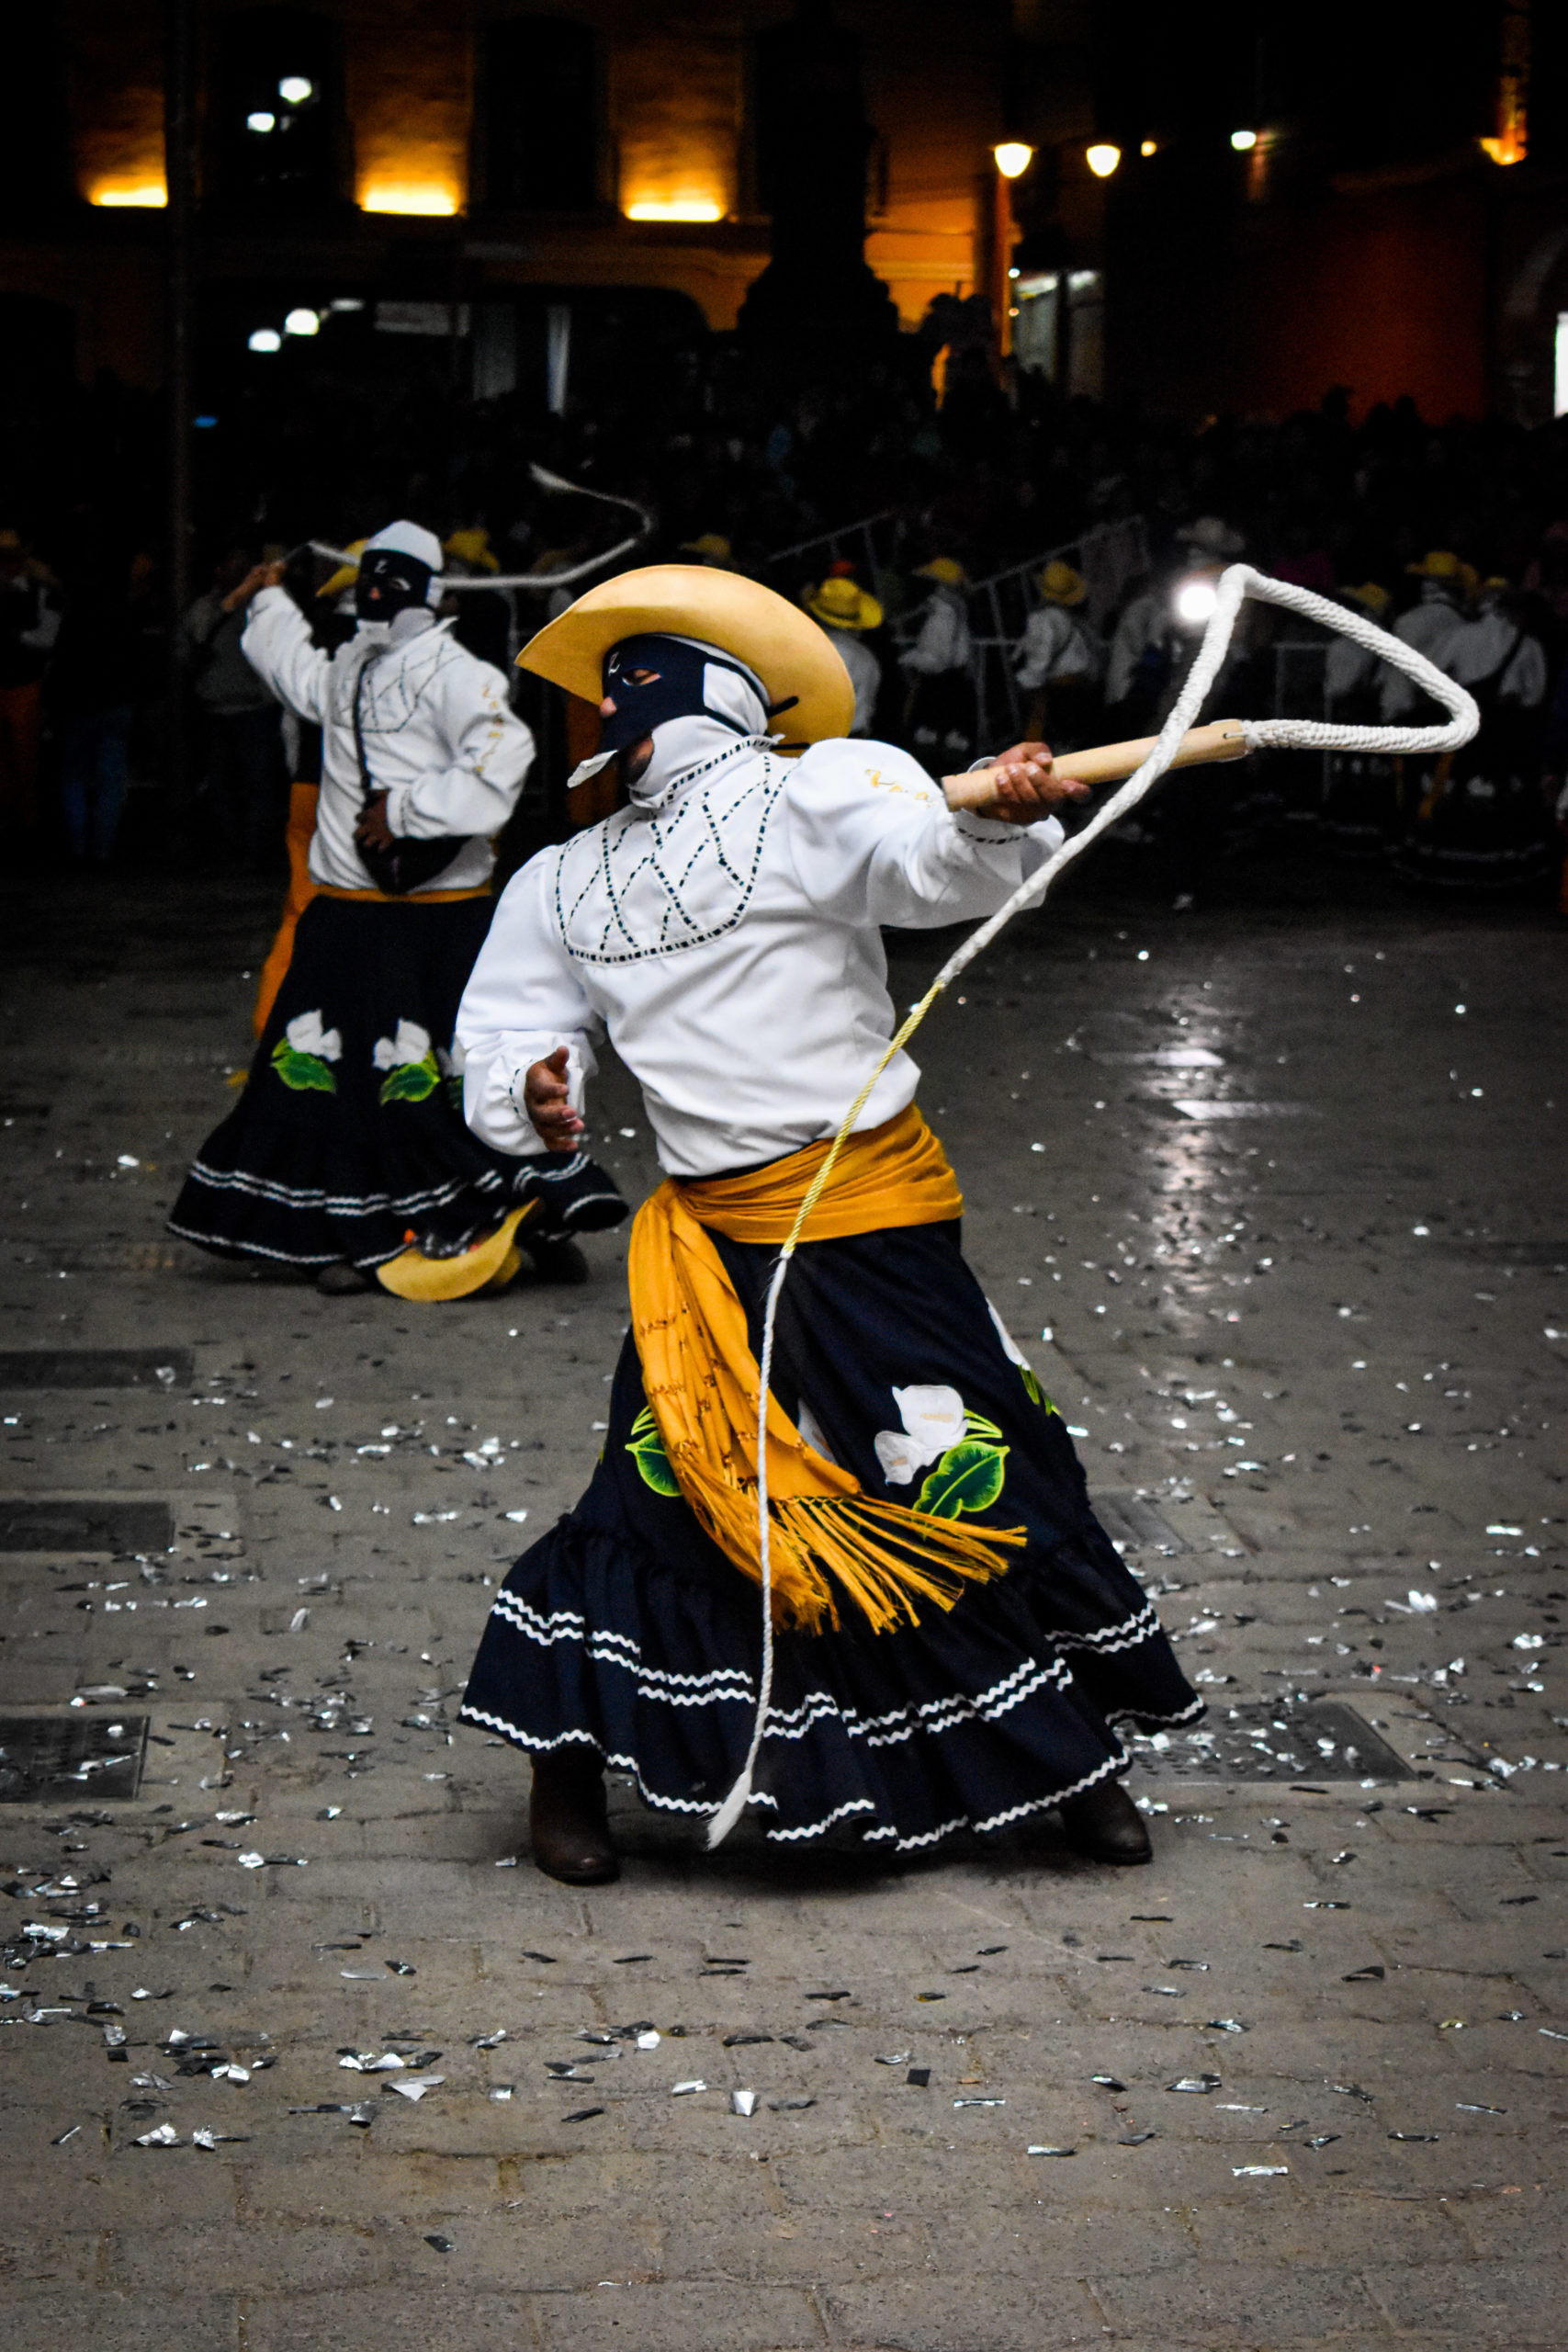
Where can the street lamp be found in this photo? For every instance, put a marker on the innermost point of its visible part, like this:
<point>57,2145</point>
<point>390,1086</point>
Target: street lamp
<point>1244,141</point>
<point>1102,159</point>
<point>1013,157</point>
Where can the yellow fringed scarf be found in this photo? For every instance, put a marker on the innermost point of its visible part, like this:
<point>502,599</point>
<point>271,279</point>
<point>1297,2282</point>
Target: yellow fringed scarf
<point>701,1380</point>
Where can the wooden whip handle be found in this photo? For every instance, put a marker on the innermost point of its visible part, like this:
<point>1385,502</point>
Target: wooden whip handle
<point>1109,762</point>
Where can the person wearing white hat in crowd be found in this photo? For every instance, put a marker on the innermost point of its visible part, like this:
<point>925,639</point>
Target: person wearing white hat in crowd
<point>1060,660</point>
<point>347,1156</point>
<point>841,607</point>
<point>956,1637</point>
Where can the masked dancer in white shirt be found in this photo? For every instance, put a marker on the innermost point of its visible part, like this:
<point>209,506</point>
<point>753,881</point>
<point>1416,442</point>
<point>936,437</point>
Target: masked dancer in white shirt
<point>347,1156</point>
<point>957,1639</point>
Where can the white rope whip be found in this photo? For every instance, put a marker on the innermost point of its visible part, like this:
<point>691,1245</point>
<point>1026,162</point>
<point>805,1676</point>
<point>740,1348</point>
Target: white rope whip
<point>539,581</point>
<point>1238,581</point>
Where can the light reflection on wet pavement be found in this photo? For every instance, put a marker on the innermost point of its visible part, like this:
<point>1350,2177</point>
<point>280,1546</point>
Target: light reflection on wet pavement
<point>287,2058</point>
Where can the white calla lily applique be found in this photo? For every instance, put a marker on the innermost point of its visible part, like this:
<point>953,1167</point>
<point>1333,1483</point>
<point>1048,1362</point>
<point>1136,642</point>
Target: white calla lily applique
<point>409,1062</point>
<point>933,1420</point>
<point>306,1034</point>
<point>303,1056</point>
<point>411,1045</point>
<point>967,1448</point>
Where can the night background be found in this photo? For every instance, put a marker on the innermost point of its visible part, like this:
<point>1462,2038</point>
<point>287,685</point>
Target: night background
<point>990,336</point>
<point>1302,272</point>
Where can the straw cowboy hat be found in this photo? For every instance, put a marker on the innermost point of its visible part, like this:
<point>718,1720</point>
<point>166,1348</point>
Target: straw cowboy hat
<point>1060,584</point>
<point>347,574</point>
<point>1441,563</point>
<point>841,602</point>
<point>1372,597</point>
<point>788,652</point>
<point>944,569</point>
<point>473,548</point>
<point>710,547</point>
<point>1212,536</point>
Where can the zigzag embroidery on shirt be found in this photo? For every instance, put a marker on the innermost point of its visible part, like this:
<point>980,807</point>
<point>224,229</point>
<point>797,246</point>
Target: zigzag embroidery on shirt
<point>392,689</point>
<point>642,885</point>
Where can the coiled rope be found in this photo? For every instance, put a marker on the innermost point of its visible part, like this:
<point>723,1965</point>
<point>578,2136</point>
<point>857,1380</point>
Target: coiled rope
<point>1238,581</point>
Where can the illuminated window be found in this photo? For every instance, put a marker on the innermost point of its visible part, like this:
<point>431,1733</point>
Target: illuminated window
<point>1560,369</point>
<point>537,113</point>
<point>275,126</point>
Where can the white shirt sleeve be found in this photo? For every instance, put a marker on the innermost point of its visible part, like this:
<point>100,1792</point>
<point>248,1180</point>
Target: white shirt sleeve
<point>276,644</point>
<point>1524,680</point>
<point>491,751</point>
<point>944,642</point>
<point>873,841</point>
<point>1038,647</point>
<point>523,1001</point>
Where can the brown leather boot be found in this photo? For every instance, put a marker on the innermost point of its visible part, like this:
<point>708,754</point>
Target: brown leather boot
<point>1105,1825</point>
<point>568,1819</point>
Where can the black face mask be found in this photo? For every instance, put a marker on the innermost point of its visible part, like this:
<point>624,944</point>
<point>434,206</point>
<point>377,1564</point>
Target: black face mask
<point>389,582</point>
<point>675,691</point>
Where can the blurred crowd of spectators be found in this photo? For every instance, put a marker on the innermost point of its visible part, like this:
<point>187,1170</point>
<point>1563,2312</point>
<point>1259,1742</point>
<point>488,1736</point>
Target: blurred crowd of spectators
<point>1029,563</point>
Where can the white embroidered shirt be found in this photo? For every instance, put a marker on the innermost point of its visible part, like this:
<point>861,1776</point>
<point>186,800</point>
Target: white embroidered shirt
<point>728,942</point>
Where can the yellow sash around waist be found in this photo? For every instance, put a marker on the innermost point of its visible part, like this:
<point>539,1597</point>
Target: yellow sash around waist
<point>702,1380</point>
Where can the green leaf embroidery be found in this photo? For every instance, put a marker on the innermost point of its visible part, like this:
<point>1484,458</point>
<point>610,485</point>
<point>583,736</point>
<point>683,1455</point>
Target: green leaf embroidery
<point>303,1072</point>
<point>968,1477</point>
<point>978,1425</point>
<point>647,1450</point>
<point>1036,1394</point>
<point>411,1081</point>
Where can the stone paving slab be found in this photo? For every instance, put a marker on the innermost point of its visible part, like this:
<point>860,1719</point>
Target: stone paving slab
<point>1243,1380</point>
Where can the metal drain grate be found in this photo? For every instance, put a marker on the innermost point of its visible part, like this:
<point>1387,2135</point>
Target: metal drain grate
<point>96,1368</point>
<point>61,1523</point>
<point>46,1758</point>
<point>1322,1740</point>
<point>1131,1523</point>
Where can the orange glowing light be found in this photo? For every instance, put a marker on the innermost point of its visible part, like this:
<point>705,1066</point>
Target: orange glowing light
<point>1511,143</point>
<point>145,194</point>
<point>1013,158</point>
<point>427,197</point>
<point>675,208</point>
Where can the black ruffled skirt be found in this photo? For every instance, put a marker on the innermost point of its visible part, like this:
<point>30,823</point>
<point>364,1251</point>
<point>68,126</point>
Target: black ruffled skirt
<point>349,1136</point>
<point>626,1632</point>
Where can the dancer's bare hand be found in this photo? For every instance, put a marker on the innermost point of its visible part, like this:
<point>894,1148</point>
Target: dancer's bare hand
<point>1027,785</point>
<point>547,1100</point>
<point>260,576</point>
<point>373,831</point>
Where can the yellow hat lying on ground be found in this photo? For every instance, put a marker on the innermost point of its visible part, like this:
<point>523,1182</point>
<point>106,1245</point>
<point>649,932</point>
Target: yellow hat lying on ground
<point>841,603</point>
<point>1060,584</point>
<point>773,637</point>
<point>490,1262</point>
